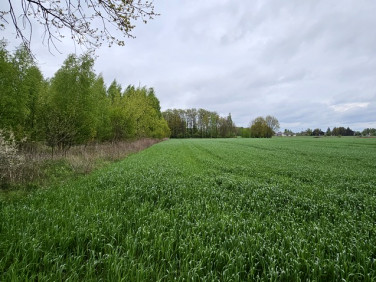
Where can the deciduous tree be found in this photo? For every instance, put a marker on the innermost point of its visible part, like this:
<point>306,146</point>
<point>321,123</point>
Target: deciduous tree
<point>20,86</point>
<point>90,22</point>
<point>272,123</point>
<point>260,128</point>
<point>317,132</point>
<point>70,114</point>
<point>264,127</point>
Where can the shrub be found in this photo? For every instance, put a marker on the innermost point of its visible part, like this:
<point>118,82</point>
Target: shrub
<point>10,159</point>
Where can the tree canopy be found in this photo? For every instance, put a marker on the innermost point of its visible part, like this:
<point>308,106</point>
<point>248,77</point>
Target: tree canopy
<point>20,84</point>
<point>90,22</point>
<point>264,127</point>
<point>74,106</point>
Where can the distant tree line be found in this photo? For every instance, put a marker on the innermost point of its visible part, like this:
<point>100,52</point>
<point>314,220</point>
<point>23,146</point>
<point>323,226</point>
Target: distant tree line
<point>201,123</point>
<point>74,106</point>
<point>340,131</point>
<point>369,132</point>
<point>336,131</point>
<point>198,123</point>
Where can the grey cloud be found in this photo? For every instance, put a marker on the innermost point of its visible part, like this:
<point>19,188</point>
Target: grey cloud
<point>297,60</point>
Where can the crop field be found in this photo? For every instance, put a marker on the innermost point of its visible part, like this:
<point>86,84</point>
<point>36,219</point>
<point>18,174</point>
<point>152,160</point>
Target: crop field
<point>280,209</point>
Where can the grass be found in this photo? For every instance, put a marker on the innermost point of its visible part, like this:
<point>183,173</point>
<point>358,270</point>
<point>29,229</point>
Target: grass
<point>39,168</point>
<point>285,209</point>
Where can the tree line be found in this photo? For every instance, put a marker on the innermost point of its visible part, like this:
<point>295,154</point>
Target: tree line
<point>199,123</point>
<point>74,106</point>
<point>336,131</point>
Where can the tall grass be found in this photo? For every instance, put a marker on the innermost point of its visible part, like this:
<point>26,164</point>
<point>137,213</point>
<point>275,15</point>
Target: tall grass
<point>39,166</point>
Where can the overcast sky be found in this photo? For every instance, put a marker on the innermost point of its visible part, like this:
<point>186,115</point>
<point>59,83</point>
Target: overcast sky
<point>311,64</point>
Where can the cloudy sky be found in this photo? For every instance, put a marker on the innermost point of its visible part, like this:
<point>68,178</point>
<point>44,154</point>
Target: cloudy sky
<point>311,64</point>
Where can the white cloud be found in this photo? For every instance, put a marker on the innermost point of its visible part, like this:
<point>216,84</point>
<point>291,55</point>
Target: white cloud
<point>348,106</point>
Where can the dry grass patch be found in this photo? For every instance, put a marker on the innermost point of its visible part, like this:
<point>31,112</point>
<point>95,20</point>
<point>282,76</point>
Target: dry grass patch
<point>39,166</point>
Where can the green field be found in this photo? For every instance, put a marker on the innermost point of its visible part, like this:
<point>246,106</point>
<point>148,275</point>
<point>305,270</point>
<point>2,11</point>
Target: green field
<point>226,209</point>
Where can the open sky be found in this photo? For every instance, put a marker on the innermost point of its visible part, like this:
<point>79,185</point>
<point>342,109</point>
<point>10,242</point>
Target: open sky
<point>311,64</point>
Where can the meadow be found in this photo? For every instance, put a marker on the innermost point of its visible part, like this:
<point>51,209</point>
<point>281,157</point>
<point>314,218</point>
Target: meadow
<point>280,209</point>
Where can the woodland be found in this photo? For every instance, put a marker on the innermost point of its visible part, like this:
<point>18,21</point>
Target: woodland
<point>73,107</point>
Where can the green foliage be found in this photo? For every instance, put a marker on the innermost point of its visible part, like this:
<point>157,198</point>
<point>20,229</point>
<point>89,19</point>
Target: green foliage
<point>34,85</point>
<point>198,124</point>
<point>74,107</point>
<point>282,209</point>
<point>8,102</point>
<point>176,123</point>
<point>341,131</point>
<point>264,127</point>
<point>135,113</point>
<point>154,102</point>
<point>20,79</point>
<point>143,111</point>
<point>114,92</point>
<point>243,132</point>
<point>369,132</point>
<point>70,116</point>
<point>337,131</point>
<point>102,110</point>
<point>328,132</point>
<point>317,132</point>
<point>118,117</point>
<point>261,129</point>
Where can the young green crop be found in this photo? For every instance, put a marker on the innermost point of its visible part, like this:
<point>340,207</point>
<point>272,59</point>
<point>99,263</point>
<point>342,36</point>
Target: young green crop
<point>226,209</point>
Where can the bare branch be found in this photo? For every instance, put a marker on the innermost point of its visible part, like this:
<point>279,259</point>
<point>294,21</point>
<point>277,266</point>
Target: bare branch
<point>90,22</point>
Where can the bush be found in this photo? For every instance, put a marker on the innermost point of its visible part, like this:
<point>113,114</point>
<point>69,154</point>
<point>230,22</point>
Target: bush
<point>10,159</point>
